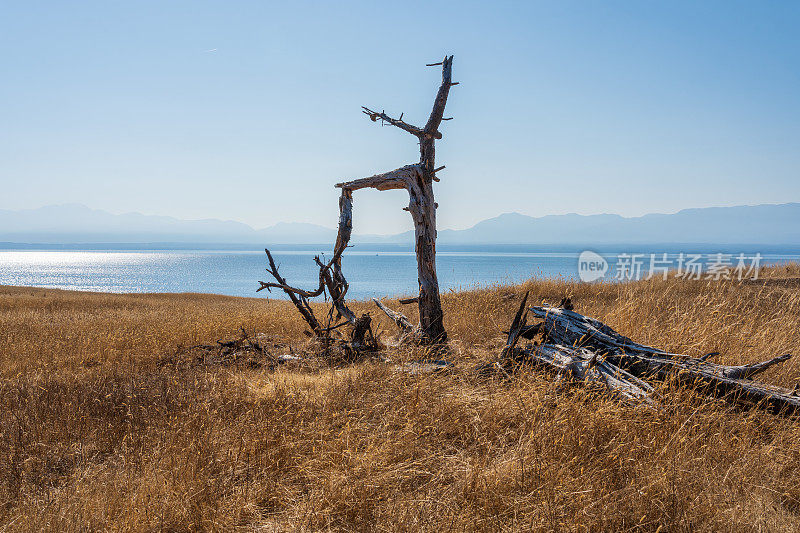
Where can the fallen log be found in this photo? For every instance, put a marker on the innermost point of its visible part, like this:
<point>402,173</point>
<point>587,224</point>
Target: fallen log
<point>567,328</point>
<point>582,365</point>
<point>575,364</point>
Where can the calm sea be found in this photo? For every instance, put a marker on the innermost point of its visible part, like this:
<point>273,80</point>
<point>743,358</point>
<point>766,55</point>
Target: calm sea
<point>371,270</point>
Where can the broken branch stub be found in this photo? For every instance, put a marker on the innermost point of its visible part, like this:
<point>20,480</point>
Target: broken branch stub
<point>408,331</point>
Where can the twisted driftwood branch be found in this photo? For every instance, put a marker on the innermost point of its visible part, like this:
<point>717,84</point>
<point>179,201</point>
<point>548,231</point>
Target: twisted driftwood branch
<point>297,296</point>
<point>331,278</point>
<point>394,179</point>
<point>281,283</point>
<point>408,331</point>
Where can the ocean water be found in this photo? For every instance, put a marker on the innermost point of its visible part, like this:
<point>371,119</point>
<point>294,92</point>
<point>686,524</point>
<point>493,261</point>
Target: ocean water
<point>372,271</point>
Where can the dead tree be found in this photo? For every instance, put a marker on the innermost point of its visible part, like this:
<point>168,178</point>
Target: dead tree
<point>418,180</point>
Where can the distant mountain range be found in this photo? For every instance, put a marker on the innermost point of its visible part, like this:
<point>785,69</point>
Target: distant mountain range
<point>756,224</point>
<point>75,223</point>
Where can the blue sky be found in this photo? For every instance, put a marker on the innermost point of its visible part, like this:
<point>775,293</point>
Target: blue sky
<point>251,110</point>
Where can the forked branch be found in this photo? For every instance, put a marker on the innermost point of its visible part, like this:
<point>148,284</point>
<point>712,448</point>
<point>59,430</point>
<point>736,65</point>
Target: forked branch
<point>295,295</point>
<point>281,283</point>
<point>331,278</point>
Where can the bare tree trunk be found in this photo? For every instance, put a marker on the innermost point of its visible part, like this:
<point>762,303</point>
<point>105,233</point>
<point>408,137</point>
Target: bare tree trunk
<point>430,306</point>
<point>423,211</point>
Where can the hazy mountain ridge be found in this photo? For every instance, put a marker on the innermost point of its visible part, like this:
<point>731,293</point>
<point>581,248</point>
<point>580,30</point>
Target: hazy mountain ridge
<point>757,224</point>
<point>78,223</point>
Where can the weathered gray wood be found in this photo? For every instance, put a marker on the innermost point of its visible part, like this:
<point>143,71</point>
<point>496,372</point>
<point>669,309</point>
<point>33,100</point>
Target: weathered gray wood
<point>424,367</point>
<point>375,116</point>
<point>582,365</point>
<point>331,278</point>
<point>332,271</point>
<point>423,212</point>
<point>748,371</point>
<point>408,331</point>
<point>577,364</point>
<point>298,297</point>
<point>569,328</point>
<point>395,179</point>
<point>418,180</point>
<point>422,206</point>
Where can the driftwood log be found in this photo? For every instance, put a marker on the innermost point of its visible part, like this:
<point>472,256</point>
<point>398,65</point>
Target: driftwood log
<point>568,363</point>
<point>588,350</point>
<point>569,328</point>
<point>408,331</point>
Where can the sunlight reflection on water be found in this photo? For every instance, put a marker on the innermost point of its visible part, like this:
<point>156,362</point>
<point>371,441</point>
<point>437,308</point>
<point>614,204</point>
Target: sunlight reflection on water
<point>236,273</point>
<point>370,273</point>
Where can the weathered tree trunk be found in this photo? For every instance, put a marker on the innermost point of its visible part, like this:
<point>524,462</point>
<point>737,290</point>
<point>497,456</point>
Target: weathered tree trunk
<point>423,211</point>
<point>430,306</point>
<point>418,180</point>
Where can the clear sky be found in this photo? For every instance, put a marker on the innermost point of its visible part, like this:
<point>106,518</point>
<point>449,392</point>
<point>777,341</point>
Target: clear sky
<point>251,110</point>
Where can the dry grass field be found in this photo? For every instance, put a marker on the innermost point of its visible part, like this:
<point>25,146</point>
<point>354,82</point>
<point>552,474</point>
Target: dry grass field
<point>107,425</point>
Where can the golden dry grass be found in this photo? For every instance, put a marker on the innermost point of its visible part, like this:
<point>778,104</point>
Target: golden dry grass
<point>97,433</point>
